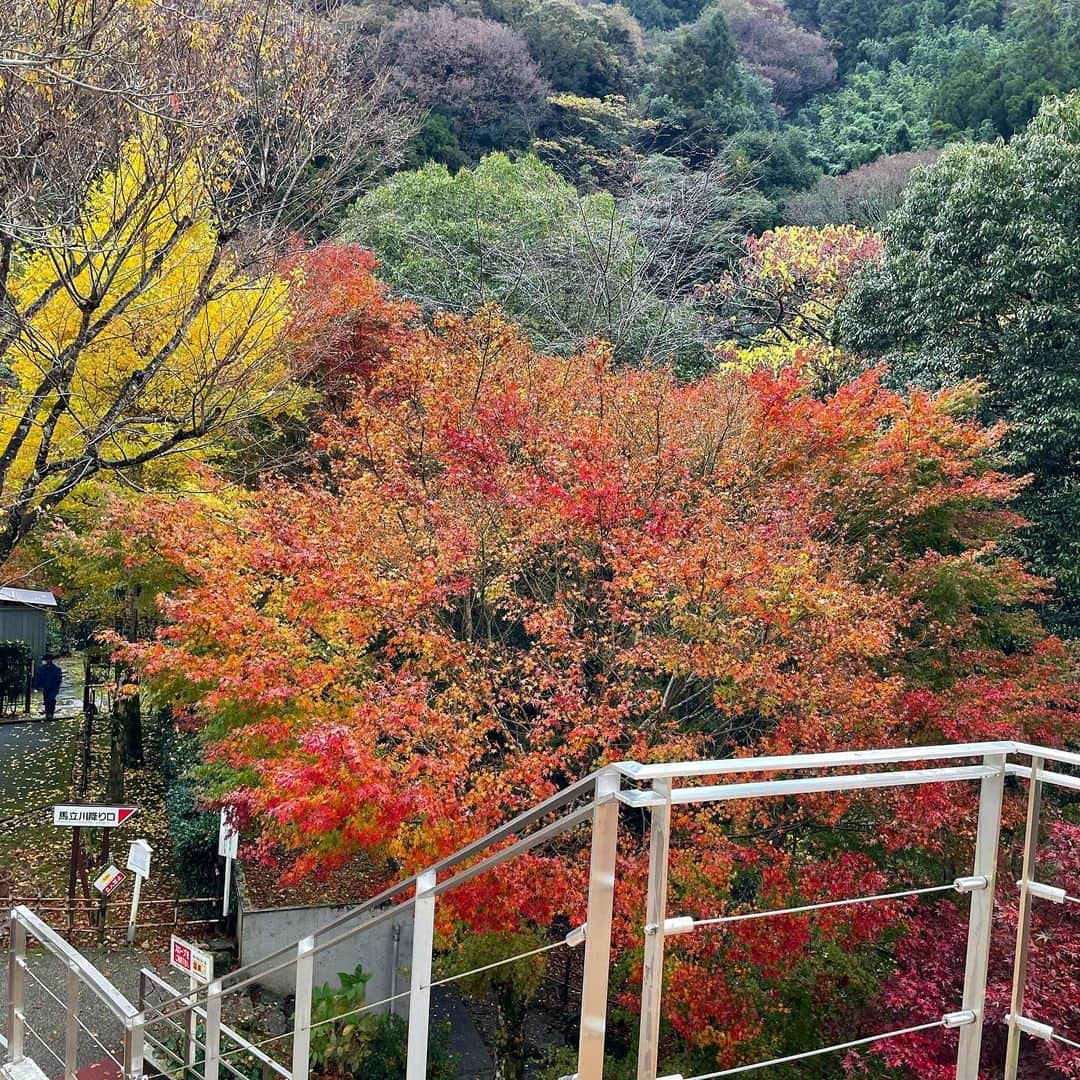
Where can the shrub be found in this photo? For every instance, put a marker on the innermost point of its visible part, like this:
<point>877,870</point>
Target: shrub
<point>365,1044</point>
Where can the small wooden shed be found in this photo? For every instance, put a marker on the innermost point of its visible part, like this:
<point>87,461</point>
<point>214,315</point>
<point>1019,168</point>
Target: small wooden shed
<point>24,616</point>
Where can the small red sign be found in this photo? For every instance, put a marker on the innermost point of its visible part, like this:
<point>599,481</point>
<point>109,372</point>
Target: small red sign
<point>181,955</point>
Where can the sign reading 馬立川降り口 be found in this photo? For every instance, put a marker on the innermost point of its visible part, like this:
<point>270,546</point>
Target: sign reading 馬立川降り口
<point>92,817</point>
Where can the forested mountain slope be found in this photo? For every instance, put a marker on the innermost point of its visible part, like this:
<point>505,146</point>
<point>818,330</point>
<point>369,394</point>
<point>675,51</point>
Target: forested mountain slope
<point>784,92</point>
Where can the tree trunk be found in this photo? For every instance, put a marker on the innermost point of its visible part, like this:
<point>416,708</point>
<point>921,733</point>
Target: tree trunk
<point>130,710</point>
<point>509,1042</point>
<point>115,789</point>
<point>130,705</point>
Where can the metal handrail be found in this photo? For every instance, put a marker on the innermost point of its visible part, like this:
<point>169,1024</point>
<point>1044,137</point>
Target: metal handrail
<point>79,972</point>
<point>841,759</point>
<point>596,799</point>
<point>89,975</point>
<point>227,1032</point>
<point>325,936</point>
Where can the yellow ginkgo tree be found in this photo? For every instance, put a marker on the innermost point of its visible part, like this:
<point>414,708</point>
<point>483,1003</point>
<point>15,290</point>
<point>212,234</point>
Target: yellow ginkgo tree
<point>156,162</point>
<point>142,336</point>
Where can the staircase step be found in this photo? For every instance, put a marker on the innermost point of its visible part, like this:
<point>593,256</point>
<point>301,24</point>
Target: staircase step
<point>24,1069</point>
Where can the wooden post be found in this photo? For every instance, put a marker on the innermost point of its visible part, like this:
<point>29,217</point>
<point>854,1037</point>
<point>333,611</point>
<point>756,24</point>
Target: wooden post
<point>73,873</point>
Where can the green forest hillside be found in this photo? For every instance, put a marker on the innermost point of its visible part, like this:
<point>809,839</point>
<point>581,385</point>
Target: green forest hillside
<point>786,93</point>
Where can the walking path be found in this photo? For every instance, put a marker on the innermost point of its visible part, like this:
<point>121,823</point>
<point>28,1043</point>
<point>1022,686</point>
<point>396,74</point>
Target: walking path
<point>48,1018</point>
<point>36,757</point>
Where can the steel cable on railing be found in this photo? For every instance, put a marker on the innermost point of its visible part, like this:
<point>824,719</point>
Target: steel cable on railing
<point>63,1005</point>
<point>56,1057</point>
<point>720,920</point>
<point>817,1053</point>
<point>367,1007</point>
<point>1055,1037</point>
<point>165,1048</point>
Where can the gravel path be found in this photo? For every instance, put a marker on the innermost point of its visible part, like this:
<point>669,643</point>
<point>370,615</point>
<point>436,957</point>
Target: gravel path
<point>48,1017</point>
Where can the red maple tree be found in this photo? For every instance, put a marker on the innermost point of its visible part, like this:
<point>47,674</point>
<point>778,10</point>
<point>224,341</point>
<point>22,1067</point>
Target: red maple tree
<point>511,568</point>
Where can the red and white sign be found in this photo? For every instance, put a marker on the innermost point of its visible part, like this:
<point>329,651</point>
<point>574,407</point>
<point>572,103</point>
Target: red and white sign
<point>193,961</point>
<point>92,817</point>
<point>108,880</point>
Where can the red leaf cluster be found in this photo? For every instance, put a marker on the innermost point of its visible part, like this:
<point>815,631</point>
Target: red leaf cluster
<point>512,568</point>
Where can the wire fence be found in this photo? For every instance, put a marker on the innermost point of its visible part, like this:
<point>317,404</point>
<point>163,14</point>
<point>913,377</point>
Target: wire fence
<point>181,1025</point>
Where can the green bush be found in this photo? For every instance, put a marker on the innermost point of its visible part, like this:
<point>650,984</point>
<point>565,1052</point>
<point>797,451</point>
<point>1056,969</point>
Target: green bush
<point>194,832</point>
<point>15,661</point>
<point>364,1044</point>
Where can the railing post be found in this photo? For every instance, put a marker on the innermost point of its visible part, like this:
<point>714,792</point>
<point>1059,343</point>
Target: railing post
<point>71,1027</point>
<point>652,978</point>
<point>16,987</point>
<point>420,977</point>
<point>1023,919</point>
<point>594,985</point>
<point>981,917</point>
<point>305,985</point>
<point>191,1024</point>
<point>212,1034</point>
<point>134,1029</point>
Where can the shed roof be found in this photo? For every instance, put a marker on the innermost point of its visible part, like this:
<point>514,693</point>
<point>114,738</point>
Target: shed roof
<point>31,597</point>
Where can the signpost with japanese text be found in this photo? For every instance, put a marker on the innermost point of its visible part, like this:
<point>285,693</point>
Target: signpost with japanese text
<point>88,816</point>
<point>79,816</point>
<point>228,846</point>
<point>199,967</point>
<point>108,880</point>
<point>191,960</point>
<point>138,863</point>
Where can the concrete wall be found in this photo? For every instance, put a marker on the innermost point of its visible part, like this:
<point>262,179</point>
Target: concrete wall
<point>262,931</point>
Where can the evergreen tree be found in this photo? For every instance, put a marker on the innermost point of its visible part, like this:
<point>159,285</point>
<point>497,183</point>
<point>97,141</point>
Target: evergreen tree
<point>979,281</point>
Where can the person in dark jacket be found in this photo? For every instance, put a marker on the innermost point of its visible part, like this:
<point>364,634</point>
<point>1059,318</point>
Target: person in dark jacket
<point>47,679</point>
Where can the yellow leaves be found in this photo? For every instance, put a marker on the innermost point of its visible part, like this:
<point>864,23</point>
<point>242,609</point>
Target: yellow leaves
<point>143,318</point>
<point>780,352</point>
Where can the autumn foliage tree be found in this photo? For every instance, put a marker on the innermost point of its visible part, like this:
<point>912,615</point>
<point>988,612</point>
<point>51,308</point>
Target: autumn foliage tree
<point>155,162</point>
<point>778,304</point>
<point>509,568</point>
<point>343,323</point>
<point>791,281</point>
<point>930,966</point>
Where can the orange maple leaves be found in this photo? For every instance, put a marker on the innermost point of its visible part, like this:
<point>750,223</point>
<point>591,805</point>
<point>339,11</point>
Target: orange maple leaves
<point>508,568</point>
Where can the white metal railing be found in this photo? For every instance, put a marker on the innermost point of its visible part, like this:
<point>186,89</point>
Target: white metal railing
<point>79,976</point>
<point>180,1052</point>
<point>594,802</point>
